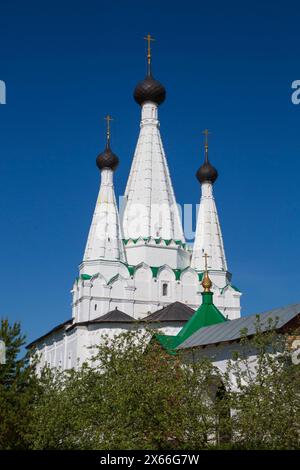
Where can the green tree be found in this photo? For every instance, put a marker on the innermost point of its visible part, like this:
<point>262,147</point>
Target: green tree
<point>265,397</point>
<point>133,395</point>
<point>18,385</point>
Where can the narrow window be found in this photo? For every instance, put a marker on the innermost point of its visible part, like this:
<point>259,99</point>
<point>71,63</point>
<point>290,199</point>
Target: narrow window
<point>95,307</point>
<point>165,289</point>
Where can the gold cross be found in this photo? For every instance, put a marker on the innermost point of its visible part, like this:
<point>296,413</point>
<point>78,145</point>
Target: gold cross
<point>149,38</point>
<point>206,133</point>
<point>108,118</point>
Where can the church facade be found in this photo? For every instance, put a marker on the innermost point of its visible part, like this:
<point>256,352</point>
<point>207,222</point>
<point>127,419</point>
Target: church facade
<point>137,267</point>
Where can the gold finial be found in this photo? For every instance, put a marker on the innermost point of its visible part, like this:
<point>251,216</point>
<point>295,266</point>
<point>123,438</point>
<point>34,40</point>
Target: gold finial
<point>108,118</point>
<point>206,282</point>
<point>149,38</point>
<point>206,133</point>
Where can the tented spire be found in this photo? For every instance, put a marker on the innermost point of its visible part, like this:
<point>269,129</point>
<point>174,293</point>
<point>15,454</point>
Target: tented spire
<point>150,205</point>
<point>208,237</point>
<point>105,240</point>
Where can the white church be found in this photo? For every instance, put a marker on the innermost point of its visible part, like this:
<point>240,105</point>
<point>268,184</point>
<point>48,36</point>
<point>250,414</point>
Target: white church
<point>137,268</point>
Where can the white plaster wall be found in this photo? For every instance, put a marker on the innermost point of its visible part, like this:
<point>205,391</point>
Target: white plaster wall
<point>175,257</point>
<point>70,349</point>
<point>143,294</point>
<point>220,355</point>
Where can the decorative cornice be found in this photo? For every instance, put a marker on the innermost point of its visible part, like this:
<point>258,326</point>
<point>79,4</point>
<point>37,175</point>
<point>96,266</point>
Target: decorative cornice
<point>170,243</point>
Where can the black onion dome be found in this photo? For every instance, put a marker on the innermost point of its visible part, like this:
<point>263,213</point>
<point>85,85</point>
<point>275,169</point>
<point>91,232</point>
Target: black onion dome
<point>107,159</point>
<point>207,172</point>
<point>149,89</point>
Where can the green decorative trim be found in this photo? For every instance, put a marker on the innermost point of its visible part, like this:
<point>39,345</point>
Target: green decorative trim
<point>130,269</point>
<point>154,270</point>
<point>157,241</point>
<point>230,285</point>
<point>235,288</point>
<point>177,272</point>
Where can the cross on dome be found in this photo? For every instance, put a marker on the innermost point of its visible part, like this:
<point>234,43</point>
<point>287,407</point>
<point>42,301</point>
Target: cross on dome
<point>149,38</point>
<point>206,134</point>
<point>108,118</point>
<point>107,159</point>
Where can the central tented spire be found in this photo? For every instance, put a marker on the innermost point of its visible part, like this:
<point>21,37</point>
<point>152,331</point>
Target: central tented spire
<point>208,237</point>
<point>150,205</point>
<point>105,240</point>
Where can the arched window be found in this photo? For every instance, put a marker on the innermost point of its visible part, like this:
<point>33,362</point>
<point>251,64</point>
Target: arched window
<point>165,289</point>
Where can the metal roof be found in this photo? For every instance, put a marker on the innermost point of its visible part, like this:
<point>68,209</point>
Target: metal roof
<point>231,330</point>
<point>176,311</point>
<point>113,316</point>
<point>61,326</point>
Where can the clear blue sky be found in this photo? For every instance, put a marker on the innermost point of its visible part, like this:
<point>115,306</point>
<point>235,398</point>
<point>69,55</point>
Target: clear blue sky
<point>227,66</point>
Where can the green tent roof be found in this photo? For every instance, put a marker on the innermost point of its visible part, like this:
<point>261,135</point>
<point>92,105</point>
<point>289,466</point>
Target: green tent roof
<point>206,315</point>
<point>169,343</point>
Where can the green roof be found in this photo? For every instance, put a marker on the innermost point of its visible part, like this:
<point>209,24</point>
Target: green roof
<point>169,343</point>
<point>85,277</point>
<point>206,315</point>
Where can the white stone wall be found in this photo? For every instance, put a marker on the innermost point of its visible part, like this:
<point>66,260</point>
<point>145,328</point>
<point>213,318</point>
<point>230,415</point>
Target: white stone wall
<point>70,349</point>
<point>154,253</point>
<point>221,354</point>
<point>144,292</point>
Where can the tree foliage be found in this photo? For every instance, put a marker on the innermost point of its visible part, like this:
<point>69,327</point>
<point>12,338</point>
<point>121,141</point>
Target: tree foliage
<point>265,397</point>
<point>18,386</point>
<point>133,395</point>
